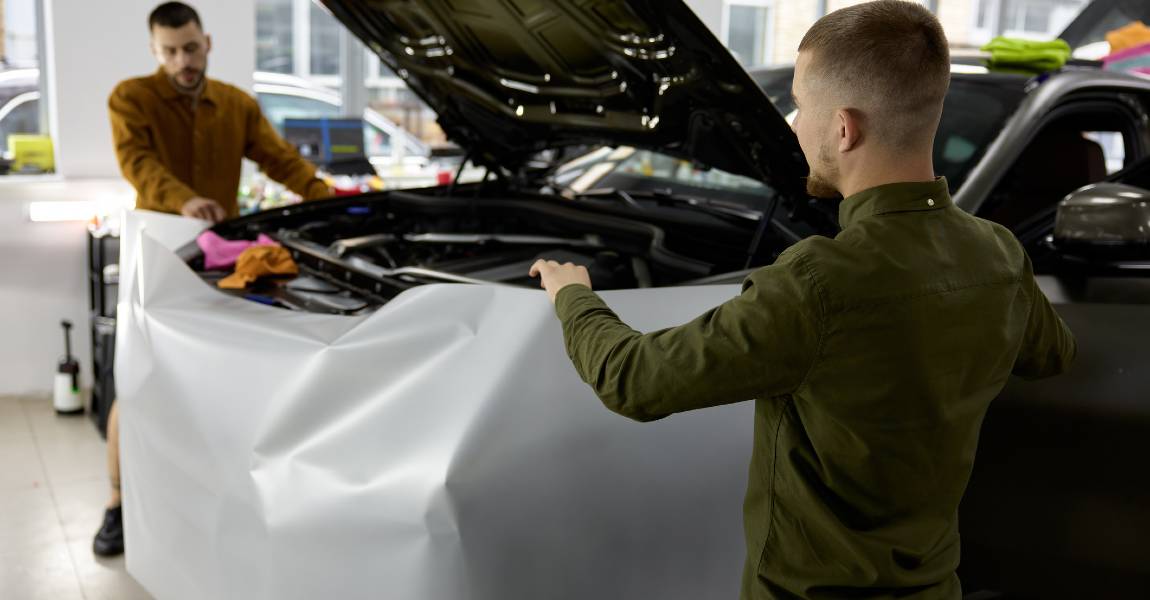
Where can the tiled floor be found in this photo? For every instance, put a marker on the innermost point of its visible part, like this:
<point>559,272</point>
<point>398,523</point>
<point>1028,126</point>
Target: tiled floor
<point>53,487</point>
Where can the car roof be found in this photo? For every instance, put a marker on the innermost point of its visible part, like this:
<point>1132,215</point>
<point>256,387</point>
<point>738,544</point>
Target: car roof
<point>1081,73</point>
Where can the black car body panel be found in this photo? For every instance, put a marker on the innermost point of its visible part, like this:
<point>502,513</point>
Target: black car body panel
<point>1058,505</point>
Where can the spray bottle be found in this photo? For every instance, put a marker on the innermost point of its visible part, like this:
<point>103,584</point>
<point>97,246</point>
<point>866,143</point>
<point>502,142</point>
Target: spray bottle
<point>67,391</point>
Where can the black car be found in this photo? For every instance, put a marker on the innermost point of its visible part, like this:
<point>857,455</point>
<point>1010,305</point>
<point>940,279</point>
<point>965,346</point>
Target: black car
<point>1059,505</point>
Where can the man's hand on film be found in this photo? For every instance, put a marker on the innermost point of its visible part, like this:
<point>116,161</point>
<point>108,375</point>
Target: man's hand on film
<point>204,208</point>
<point>554,276</point>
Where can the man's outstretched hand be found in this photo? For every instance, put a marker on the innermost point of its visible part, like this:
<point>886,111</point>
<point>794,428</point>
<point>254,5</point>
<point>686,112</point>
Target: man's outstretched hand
<point>204,208</point>
<point>554,276</point>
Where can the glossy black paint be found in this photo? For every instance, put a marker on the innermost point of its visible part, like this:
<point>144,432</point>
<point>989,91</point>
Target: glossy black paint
<point>511,78</point>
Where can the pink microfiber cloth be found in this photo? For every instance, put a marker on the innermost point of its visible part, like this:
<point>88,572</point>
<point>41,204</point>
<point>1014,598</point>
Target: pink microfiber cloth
<point>1135,59</point>
<point>221,254</point>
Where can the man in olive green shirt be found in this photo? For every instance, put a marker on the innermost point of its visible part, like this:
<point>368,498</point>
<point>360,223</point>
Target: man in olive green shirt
<point>872,356</point>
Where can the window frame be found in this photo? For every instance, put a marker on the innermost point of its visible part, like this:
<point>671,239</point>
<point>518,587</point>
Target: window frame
<point>768,30</point>
<point>1033,229</point>
<point>45,97</point>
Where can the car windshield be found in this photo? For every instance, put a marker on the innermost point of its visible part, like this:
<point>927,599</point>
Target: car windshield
<point>975,109</point>
<point>631,169</point>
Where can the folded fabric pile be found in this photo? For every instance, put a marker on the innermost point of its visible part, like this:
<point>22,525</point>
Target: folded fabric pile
<point>1130,36</point>
<point>1132,60</point>
<point>1010,54</point>
<point>1129,49</point>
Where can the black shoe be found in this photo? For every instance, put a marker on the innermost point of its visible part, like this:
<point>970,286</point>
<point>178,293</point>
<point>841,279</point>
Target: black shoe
<point>110,539</point>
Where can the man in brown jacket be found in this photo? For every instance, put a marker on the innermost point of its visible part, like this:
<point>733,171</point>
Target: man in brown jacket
<point>180,138</point>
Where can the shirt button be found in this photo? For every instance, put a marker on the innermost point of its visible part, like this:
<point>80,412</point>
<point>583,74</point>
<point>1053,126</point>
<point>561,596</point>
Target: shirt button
<point>930,201</point>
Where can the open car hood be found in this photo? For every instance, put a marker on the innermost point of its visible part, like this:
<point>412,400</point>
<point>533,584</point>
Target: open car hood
<point>510,78</point>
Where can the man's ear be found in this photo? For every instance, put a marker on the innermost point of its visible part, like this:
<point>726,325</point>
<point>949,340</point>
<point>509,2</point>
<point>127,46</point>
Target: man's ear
<point>207,43</point>
<point>849,131</point>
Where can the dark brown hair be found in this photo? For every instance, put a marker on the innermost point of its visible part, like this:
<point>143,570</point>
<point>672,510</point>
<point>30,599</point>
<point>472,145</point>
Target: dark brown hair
<point>888,57</point>
<point>173,15</point>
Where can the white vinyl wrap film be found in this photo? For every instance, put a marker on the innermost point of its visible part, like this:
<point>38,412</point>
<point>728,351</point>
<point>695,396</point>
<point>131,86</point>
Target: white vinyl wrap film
<point>442,447</point>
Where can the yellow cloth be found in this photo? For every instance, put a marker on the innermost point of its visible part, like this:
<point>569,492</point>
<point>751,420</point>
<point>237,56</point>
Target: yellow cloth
<point>1134,34</point>
<point>170,152</point>
<point>257,261</point>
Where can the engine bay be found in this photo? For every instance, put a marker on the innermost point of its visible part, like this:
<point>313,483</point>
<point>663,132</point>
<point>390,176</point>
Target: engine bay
<point>355,254</point>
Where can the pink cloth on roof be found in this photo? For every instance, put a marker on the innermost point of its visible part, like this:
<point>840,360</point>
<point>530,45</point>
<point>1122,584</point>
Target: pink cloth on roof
<point>220,253</point>
<point>1127,54</point>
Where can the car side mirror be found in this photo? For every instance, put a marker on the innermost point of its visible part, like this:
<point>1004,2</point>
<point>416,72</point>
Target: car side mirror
<point>1104,222</point>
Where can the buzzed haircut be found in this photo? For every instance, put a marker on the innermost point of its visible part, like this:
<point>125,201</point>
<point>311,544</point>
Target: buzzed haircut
<point>889,56</point>
<point>173,15</point>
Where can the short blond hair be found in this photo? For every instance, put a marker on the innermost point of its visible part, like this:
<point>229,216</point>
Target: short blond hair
<point>888,57</point>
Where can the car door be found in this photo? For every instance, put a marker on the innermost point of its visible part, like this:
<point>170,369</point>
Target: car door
<point>1087,137</point>
<point>1057,506</point>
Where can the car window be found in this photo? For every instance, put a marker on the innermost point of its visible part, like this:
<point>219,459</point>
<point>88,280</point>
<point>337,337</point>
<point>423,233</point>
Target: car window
<point>1113,146</point>
<point>375,141</point>
<point>278,107</point>
<point>19,116</point>
<point>633,169</point>
<point>973,114</point>
<point>673,171</point>
<point>975,109</point>
<point>776,83</point>
<point>1081,146</point>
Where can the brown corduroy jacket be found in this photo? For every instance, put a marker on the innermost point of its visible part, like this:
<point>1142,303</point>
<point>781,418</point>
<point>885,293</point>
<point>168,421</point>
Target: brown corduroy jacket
<point>171,152</point>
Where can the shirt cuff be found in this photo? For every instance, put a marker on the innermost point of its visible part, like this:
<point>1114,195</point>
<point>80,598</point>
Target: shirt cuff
<point>572,297</point>
<point>317,190</point>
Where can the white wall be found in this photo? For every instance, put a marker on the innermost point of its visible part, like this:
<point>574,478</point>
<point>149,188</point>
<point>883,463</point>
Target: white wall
<point>710,12</point>
<point>43,276</point>
<point>43,279</point>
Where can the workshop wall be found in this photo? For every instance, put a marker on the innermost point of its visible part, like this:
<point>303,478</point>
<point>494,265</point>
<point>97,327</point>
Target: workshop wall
<point>43,276</point>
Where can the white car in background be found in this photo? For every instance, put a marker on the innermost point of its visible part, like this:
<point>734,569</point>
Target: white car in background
<point>19,102</point>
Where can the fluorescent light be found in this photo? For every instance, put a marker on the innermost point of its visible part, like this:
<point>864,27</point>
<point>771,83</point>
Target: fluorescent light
<point>56,211</point>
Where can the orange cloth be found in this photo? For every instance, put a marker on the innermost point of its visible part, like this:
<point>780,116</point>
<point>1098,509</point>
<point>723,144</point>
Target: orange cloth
<point>257,261</point>
<point>170,152</point>
<point>1134,34</point>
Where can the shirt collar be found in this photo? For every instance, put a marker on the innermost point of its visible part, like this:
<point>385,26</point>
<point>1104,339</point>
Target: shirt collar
<point>894,197</point>
<point>169,92</point>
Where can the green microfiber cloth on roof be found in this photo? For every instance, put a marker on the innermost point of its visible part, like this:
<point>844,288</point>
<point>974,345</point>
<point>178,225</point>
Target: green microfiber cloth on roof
<point>1026,55</point>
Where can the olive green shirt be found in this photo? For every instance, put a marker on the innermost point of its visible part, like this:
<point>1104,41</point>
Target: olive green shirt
<point>872,357</point>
